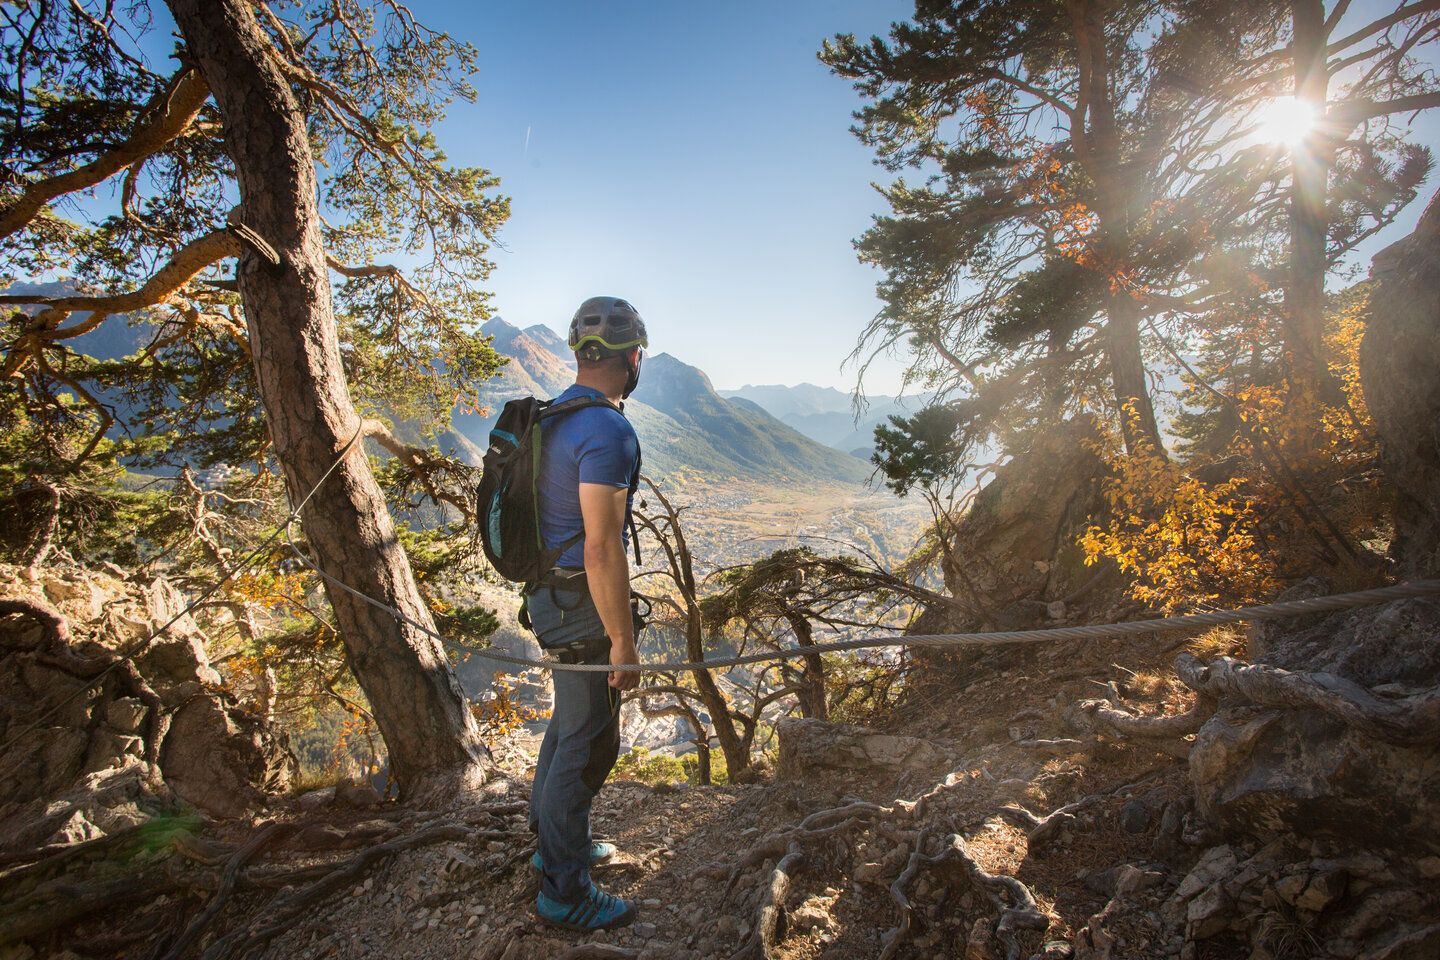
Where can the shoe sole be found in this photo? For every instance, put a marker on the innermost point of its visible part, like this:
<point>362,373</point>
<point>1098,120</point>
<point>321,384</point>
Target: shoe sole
<point>624,920</point>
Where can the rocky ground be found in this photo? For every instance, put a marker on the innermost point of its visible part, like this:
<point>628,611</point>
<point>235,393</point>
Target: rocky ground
<point>1071,800</point>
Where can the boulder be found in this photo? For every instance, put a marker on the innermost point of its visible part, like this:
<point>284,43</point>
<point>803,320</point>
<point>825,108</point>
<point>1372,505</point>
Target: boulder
<point>223,760</point>
<point>216,755</point>
<point>1271,772</point>
<point>1398,359</point>
<point>810,747</point>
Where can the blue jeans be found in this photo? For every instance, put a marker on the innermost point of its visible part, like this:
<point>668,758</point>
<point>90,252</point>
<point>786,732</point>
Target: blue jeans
<point>580,746</point>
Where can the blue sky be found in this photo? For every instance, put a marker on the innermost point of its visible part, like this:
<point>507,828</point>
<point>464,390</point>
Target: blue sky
<point>694,158</point>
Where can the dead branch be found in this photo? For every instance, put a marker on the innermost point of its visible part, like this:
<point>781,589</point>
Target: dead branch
<point>762,939</point>
<point>1407,721</point>
<point>163,119</point>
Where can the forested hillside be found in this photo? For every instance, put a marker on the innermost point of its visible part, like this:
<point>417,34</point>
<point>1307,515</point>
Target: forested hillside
<point>1131,648</point>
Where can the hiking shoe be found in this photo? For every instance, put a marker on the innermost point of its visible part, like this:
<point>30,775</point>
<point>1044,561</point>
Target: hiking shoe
<point>600,851</point>
<point>597,910</point>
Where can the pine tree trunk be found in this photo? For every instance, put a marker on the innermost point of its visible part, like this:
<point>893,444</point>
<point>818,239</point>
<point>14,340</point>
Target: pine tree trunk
<point>1127,375</point>
<point>432,740</point>
<point>811,695</point>
<point>1098,147</point>
<point>1310,162</point>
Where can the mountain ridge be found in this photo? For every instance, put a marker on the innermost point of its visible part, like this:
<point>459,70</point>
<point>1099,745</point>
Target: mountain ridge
<point>685,426</point>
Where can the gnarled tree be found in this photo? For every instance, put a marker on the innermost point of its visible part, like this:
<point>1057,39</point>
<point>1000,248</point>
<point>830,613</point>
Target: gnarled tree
<point>251,368</point>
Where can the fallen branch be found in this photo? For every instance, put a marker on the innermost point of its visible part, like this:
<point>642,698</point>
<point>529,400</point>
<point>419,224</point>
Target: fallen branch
<point>1407,721</point>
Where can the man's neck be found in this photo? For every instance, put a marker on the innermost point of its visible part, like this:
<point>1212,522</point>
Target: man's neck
<point>608,389</point>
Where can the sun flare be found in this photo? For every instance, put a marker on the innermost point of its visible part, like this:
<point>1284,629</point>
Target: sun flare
<point>1285,120</point>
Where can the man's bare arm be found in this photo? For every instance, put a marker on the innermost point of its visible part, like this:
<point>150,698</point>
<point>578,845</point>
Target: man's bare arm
<point>607,571</point>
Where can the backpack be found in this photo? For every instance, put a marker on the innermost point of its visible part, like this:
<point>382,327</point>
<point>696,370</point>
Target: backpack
<point>508,498</point>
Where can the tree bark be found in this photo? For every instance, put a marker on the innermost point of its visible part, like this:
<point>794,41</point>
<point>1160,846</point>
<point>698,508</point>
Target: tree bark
<point>1127,374</point>
<point>1095,137</point>
<point>433,742</point>
<point>1310,161</point>
<point>812,681</point>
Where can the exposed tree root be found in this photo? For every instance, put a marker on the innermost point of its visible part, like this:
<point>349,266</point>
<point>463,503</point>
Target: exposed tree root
<point>282,913</point>
<point>1041,831</point>
<point>262,838</point>
<point>763,938</point>
<point>1020,914</point>
<point>1166,726</point>
<point>44,905</point>
<point>60,903</point>
<point>789,845</point>
<point>1407,721</point>
<point>899,892</point>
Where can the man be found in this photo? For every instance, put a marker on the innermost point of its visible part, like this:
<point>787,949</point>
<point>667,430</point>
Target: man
<point>589,468</point>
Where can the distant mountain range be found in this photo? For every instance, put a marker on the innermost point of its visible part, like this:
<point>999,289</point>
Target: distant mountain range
<point>685,426</point>
<point>825,414</point>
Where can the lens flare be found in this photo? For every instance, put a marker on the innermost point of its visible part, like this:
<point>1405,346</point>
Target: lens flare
<point>1285,120</point>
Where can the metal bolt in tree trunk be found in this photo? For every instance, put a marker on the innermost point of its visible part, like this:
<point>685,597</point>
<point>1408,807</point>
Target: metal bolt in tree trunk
<point>433,742</point>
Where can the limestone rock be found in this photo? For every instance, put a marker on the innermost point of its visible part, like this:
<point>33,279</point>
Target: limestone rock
<point>315,799</point>
<point>1265,773</point>
<point>358,795</point>
<point>223,760</point>
<point>126,714</point>
<point>809,746</point>
<point>1398,359</point>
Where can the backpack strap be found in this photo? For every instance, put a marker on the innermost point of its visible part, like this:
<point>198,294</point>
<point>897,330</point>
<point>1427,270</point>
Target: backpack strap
<point>629,509</point>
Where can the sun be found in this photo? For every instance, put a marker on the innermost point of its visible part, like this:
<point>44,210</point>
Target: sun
<point>1285,120</point>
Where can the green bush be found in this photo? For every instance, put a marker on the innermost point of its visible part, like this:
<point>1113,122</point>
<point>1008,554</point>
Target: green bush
<point>649,766</point>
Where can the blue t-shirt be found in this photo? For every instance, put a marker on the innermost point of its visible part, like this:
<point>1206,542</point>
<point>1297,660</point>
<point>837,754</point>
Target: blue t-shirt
<point>593,445</point>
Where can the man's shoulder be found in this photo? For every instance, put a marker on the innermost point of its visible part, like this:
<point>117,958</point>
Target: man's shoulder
<point>601,420</point>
